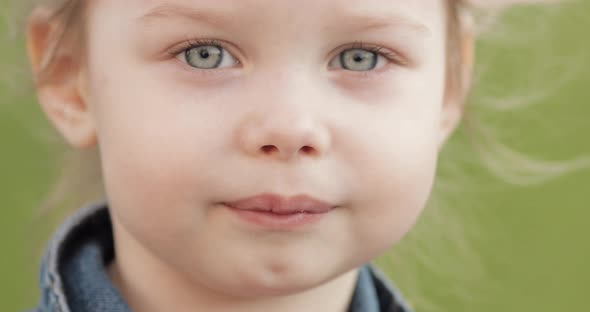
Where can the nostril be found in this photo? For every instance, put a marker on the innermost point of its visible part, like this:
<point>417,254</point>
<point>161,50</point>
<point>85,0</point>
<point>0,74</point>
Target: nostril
<point>267,149</point>
<point>307,149</point>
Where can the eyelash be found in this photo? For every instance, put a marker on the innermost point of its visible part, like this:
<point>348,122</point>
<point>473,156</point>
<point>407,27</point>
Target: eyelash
<point>391,56</point>
<point>194,43</point>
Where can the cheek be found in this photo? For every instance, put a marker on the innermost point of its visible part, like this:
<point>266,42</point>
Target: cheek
<point>395,154</point>
<point>395,182</point>
<point>155,149</point>
<point>403,185</point>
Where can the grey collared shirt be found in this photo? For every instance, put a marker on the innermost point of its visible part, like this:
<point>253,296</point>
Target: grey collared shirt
<point>74,277</point>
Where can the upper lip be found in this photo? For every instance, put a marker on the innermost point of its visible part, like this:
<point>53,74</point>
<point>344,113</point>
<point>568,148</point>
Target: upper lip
<point>281,205</point>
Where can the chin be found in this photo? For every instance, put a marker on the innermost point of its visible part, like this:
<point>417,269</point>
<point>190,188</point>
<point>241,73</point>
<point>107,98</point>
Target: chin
<point>276,281</point>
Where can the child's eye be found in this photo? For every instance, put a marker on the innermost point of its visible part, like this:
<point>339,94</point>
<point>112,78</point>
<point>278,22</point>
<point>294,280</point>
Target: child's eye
<point>206,55</point>
<point>358,59</point>
<point>364,59</point>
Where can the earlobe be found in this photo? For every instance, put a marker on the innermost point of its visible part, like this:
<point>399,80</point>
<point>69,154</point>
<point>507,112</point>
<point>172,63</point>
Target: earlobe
<point>57,71</point>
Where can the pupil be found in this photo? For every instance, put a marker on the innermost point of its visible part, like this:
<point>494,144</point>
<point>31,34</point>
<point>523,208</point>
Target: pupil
<point>358,58</point>
<point>204,53</point>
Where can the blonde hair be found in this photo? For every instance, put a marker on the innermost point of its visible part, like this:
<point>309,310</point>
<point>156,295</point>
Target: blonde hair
<point>81,180</point>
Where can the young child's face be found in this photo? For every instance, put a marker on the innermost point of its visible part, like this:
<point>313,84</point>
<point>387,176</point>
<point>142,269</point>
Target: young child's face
<point>278,103</point>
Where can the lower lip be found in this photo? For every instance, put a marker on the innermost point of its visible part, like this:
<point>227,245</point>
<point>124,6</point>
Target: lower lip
<point>275,221</point>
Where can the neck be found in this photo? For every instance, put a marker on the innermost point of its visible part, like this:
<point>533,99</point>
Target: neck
<point>150,285</point>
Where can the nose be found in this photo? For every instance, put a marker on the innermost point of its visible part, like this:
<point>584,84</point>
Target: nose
<point>283,136</point>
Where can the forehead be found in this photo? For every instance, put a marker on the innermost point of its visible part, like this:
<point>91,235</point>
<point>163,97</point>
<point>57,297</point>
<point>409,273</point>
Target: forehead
<point>419,15</point>
<point>415,4</point>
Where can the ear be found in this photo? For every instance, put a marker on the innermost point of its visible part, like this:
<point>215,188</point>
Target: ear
<point>455,97</point>
<point>58,73</point>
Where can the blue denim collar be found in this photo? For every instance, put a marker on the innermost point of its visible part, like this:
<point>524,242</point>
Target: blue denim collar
<point>74,277</point>
<point>73,272</point>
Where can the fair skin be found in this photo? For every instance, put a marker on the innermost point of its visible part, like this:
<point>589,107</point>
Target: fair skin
<point>176,140</point>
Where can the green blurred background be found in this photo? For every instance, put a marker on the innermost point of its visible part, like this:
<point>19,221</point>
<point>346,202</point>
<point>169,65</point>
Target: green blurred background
<point>493,246</point>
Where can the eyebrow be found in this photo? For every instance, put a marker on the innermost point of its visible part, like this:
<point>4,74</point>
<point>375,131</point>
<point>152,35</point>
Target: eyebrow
<point>218,18</point>
<point>372,22</point>
<point>209,16</point>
